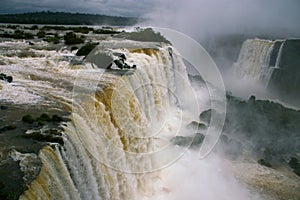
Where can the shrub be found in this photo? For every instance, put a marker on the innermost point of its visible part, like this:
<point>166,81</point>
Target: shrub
<point>56,118</point>
<point>34,27</point>
<point>28,119</point>
<point>297,171</point>
<point>45,117</point>
<point>22,35</point>
<point>41,34</point>
<point>71,38</point>
<point>8,128</point>
<point>105,31</point>
<point>54,39</point>
<point>73,48</point>
<point>82,29</point>
<point>264,163</point>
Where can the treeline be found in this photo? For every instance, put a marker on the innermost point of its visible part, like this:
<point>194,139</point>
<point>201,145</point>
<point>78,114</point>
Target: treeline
<point>63,18</point>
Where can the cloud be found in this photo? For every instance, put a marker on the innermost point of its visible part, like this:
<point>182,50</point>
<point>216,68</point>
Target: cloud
<point>226,16</point>
<point>108,7</point>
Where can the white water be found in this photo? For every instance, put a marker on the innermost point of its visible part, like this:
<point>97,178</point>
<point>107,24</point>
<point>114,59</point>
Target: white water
<point>119,131</point>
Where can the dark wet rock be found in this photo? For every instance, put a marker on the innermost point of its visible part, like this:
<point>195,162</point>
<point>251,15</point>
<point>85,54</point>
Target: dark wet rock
<point>9,79</point>
<point>126,66</point>
<point>3,107</point>
<point>119,63</point>
<point>196,80</point>
<point>73,48</point>
<point>196,126</point>
<point>109,66</point>
<point>56,118</point>
<point>44,137</point>
<point>123,56</point>
<point>295,165</point>
<point>6,78</point>
<point>100,59</point>
<point>7,128</point>
<point>264,163</point>
<point>86,49</point>
<point>105,31</point>
<point>76,61</point>
<point>191,141</point>
<point>206,115</point>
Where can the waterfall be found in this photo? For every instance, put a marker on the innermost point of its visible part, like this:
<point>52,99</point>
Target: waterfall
<point>120,129</point>
<point>258,59</point>
<point>254,58</point>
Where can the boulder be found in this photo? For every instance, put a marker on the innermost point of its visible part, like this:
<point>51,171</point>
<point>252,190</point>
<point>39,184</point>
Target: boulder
<point>8,128</point>
<point>86,49</point>
<point>122,56</point>
<point>191,141</point>
<point>42,137</point>
<point>100,59</point>
<point>3,107</point>
<point>6,78</point>
<point>196,126</point>
<point>56,118</point>
<point>206,115</point>
<point>264,163</point>
<point>120,63</point>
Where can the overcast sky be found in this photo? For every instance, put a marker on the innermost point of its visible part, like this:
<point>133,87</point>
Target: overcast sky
<point>189,15</point>
<point>108,7</point>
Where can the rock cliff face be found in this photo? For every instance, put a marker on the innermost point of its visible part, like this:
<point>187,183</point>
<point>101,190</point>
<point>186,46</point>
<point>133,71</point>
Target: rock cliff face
<point>285,79</point>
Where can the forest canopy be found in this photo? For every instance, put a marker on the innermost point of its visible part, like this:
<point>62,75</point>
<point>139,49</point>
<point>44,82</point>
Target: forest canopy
<point>64,18</point>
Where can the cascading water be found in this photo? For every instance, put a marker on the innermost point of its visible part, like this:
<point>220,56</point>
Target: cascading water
<point>254,59</point>
<point>121,125</point>
<point>117,131</point>
<point>258,59</point>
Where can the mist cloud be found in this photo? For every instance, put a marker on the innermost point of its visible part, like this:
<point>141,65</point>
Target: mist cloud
<point>203,17</point>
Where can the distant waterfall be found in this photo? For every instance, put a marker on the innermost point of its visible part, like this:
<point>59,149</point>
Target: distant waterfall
<point>257,59</point>
<point>111,140</point>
